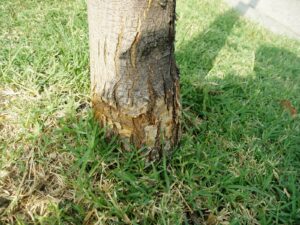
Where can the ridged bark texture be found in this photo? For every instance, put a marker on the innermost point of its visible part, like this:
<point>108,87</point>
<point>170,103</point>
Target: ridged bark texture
<point>135,82</point>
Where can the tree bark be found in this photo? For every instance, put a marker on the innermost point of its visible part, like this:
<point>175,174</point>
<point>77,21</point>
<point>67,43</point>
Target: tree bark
<point>135,81</point>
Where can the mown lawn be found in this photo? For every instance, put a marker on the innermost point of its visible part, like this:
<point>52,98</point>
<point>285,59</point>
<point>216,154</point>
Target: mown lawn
<point>239,159</point>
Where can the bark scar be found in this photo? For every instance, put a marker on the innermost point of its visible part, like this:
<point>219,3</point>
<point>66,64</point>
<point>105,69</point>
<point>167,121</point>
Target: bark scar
<point>133,48</point>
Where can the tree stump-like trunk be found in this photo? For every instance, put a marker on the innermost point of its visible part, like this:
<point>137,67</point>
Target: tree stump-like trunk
<point>135,81</point>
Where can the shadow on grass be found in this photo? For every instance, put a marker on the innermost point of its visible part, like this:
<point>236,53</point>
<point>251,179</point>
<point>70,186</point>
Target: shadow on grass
<point>272,61</point>
<point>201,52</point>
<point>245,127</point>
<point>196,58</point>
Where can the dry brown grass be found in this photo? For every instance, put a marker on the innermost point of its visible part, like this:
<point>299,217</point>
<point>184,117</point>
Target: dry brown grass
<point>31,181</point>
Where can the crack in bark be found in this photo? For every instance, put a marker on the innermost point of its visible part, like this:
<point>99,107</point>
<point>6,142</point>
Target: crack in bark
<point>118,50</point>
<point>133,48</point>
<point>117,63</point>
<point>105,51</point>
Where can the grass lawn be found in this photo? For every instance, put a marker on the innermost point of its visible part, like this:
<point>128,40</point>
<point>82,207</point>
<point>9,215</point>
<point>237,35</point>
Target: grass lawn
<point>239,159</point>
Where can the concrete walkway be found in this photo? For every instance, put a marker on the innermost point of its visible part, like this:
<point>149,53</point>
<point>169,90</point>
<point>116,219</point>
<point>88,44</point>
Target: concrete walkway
<point>279,16</point>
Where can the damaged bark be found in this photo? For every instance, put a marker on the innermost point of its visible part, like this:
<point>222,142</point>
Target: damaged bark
<point>135,81</point>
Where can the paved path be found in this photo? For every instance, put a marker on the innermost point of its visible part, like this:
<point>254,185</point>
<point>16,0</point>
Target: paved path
<point>280,16</point>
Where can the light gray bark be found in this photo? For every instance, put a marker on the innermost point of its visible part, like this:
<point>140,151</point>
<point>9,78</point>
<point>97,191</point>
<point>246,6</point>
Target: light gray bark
<point>134,78</point>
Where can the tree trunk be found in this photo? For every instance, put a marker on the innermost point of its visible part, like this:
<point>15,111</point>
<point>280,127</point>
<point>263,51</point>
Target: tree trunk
<point>135,82</point>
